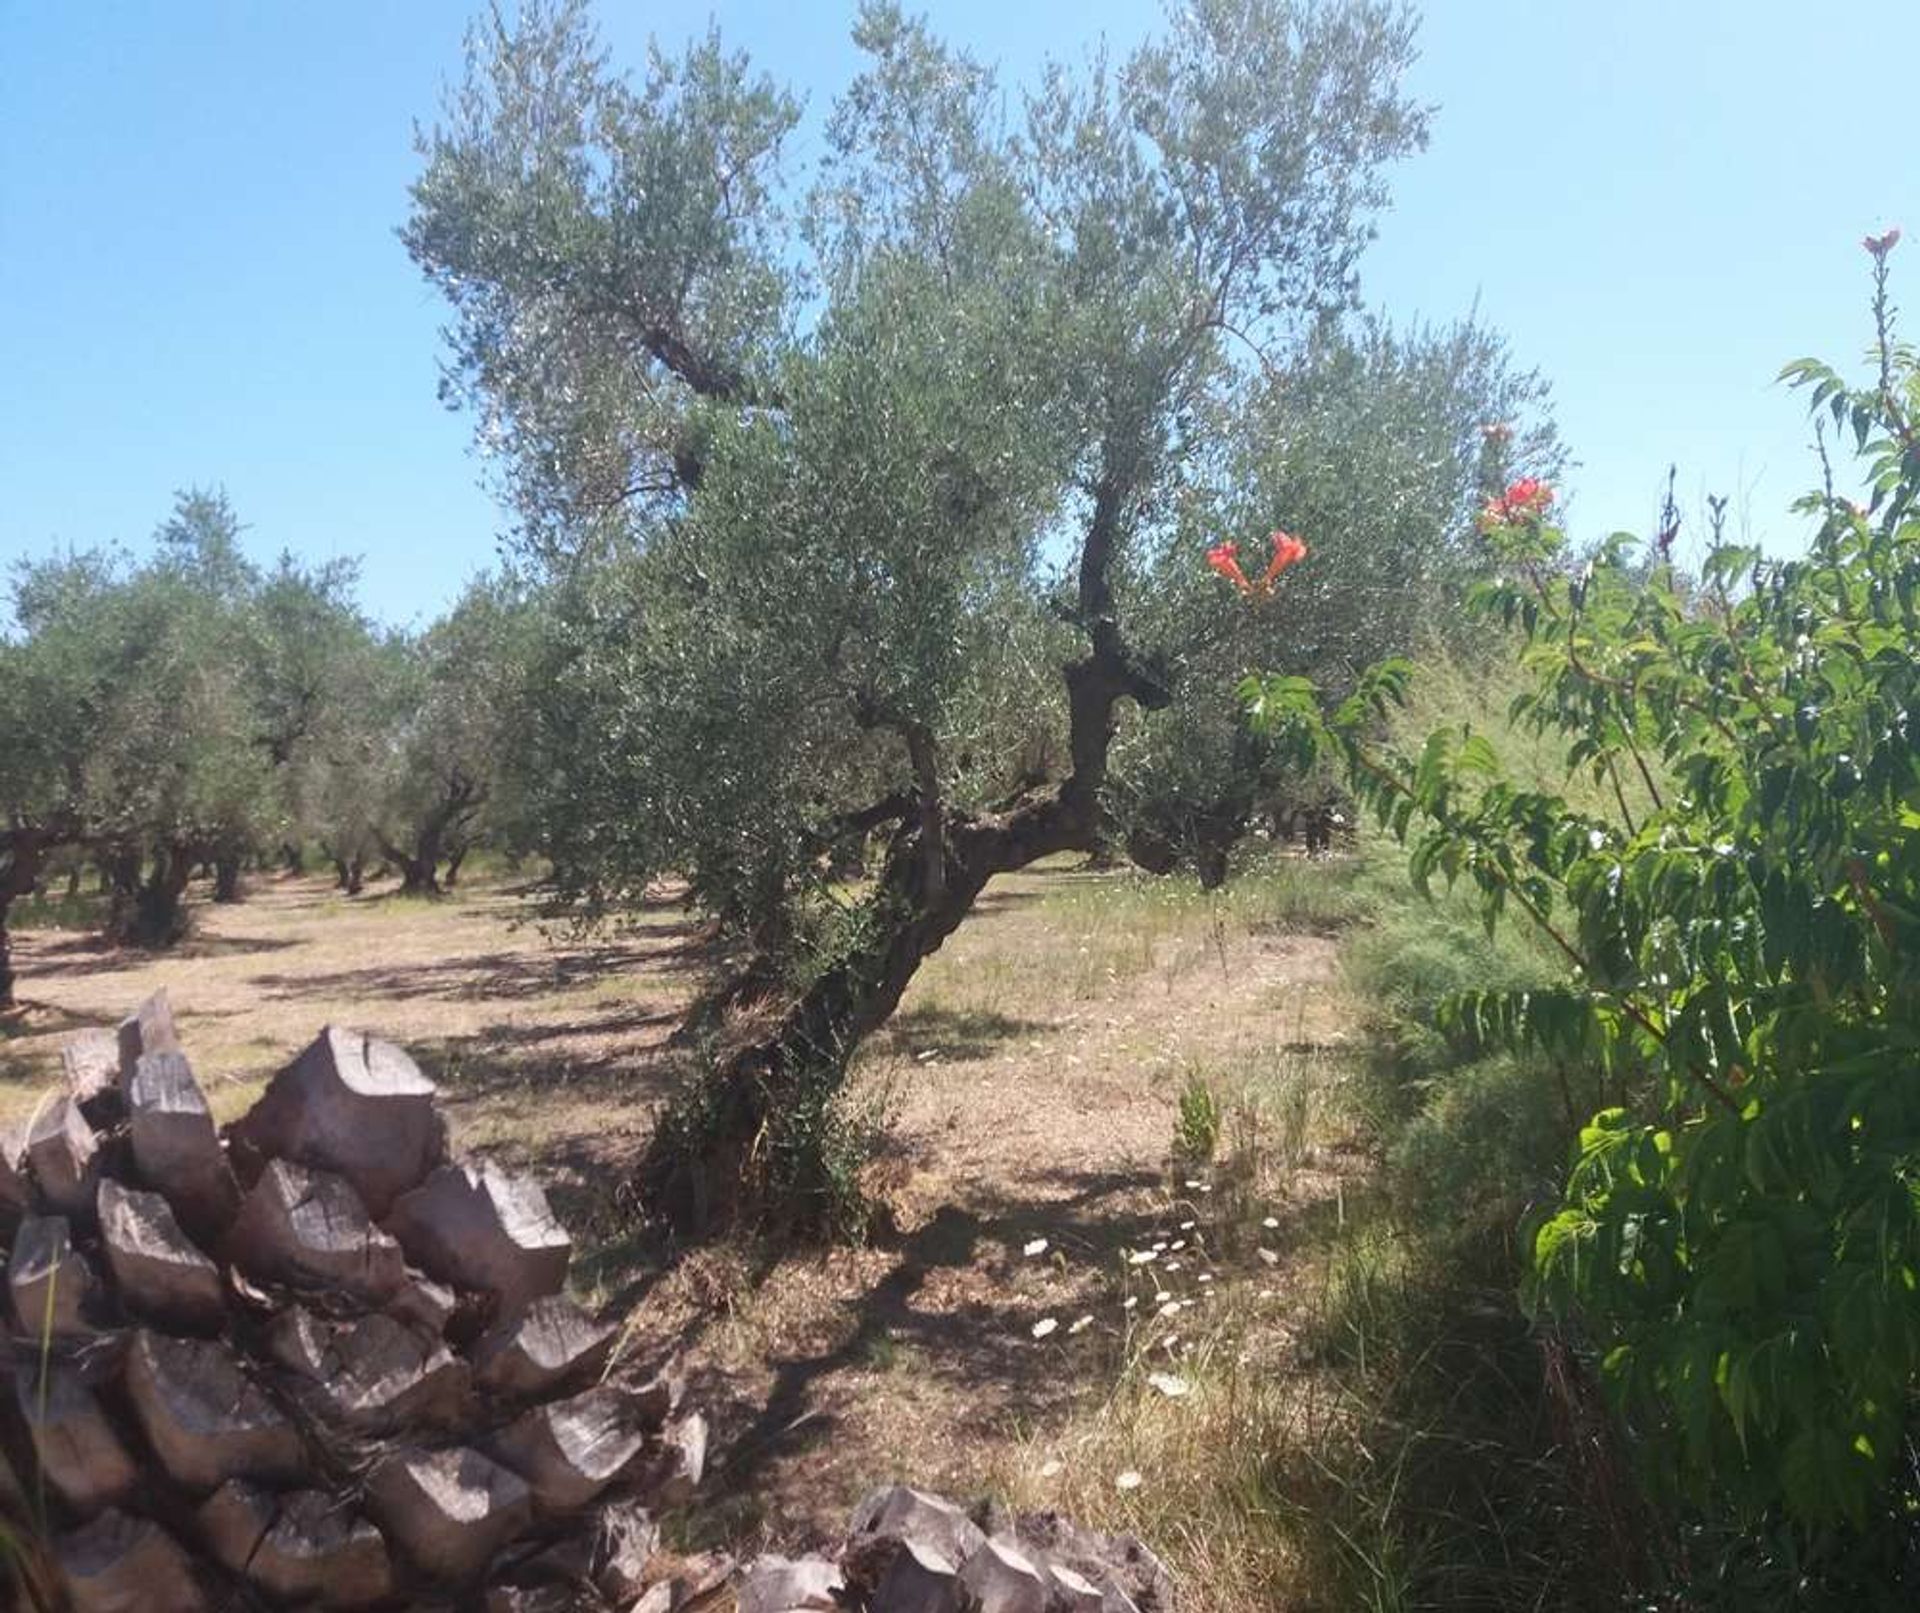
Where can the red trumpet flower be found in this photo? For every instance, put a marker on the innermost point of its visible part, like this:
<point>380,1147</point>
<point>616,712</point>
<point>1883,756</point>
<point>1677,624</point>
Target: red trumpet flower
<point>1224,558</point>
<point>1287,550</point>
<point>1526,500</point>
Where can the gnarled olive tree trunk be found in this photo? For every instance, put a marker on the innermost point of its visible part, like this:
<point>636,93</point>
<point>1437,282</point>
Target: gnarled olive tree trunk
<point>21,855</point>
<point>697,1168</point>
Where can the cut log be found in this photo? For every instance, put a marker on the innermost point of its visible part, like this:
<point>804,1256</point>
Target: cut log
<point>669,1476</point>
<point>206,1420</point>
<point>354,1106</point>
<point>308,1228</point>
<point>81,1456</point>
<point>175,1146</point>
<point>302,1547</point>
<point>1073,1593</point>
<point>374,1375</point>
<point>16,1190</point>
<point>121,1564</point>
<point>1126,1571</point>
<point>570,1451</point>
<point>477,1226</point>
<point>423,1304</point>
<point>549,1346</point>
<point>301,1342</point>
<point>898,1513</point>
<point>160,1274</point>
<point>777,1584</point>
<point>449,1510</point>
<point>63,1154</point>
<point>921,1580</point>
<point>90,1064</point>
<point>148,1029</point>
<point>51,1284</point>
<point>1000,1578</point>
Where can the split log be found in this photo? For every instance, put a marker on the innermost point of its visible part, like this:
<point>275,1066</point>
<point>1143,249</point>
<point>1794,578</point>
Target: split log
<point>122,1564</point>
<point>374,1375</point>
<point>551,1345</point>
<point>148,1029</point>
<point>899,1512</point>
<point>354,1106</point>
<point>477,1226</point>
<point>51,1284</point>
<point>571,1450</point>
<point>611,1558</point>
<point>449,1510</point>
<point>63,1154</point>
<point>777,1584</point>
<point>205,1419</point>
<point>308,1228</point>
<point>175,1147</point>
<point>16,1190</point>
<point>921,1580</point>
<point>303,1547</point>
<point>159,1273</point>
<point>1072,1593</point>
<point>999,1578</point>
<point>424,1305</point>
<point>79,1453</point>
<point>90,1065</point>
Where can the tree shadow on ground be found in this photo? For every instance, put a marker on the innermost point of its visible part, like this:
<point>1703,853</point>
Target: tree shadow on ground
<point>493,977</point>
<point>30,1017</point>
<point>960,1034</point>
<point>506,1060</point>
<point>979,1344</point>
<point>94,954</point>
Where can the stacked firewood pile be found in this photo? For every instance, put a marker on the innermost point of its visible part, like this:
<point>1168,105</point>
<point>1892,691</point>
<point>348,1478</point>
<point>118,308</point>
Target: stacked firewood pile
<point>313,1361</point>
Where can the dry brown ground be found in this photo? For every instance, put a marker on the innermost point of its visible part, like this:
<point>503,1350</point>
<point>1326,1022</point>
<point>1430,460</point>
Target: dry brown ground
<point>1028,1089</point>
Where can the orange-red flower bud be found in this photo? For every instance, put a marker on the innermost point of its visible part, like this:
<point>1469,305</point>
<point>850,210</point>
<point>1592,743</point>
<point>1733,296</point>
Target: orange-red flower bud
<point>1223,558</point>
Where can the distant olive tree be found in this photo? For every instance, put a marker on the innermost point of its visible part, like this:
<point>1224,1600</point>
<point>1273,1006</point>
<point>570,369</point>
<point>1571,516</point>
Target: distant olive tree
<point>850,497</point>
<point>447,715</point>
<point>49,688</point>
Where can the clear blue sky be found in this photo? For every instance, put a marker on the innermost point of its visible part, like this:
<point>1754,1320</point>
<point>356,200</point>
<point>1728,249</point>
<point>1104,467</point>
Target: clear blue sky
<point>1659,201</point>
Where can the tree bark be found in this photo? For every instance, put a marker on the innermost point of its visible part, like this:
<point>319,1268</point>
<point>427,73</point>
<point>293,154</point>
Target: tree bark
<point>226,877</point>
<point>23,850</point>
<point>6,950</point>
<point>153,913</point>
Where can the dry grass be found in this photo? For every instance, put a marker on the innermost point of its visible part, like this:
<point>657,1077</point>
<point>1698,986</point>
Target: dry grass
<point>1029,1085</point>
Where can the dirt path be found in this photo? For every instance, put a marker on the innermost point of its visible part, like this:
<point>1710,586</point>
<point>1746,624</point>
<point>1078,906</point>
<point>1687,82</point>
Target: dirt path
<point>1030,1086</point>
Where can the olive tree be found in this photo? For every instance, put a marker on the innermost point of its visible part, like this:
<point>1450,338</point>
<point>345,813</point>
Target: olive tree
<point>846,489</point>
<point>50,677</point>
<point>445,713</point>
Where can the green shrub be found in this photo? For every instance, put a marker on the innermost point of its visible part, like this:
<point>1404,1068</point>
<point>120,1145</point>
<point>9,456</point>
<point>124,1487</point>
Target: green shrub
<point>1739,1235</point>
